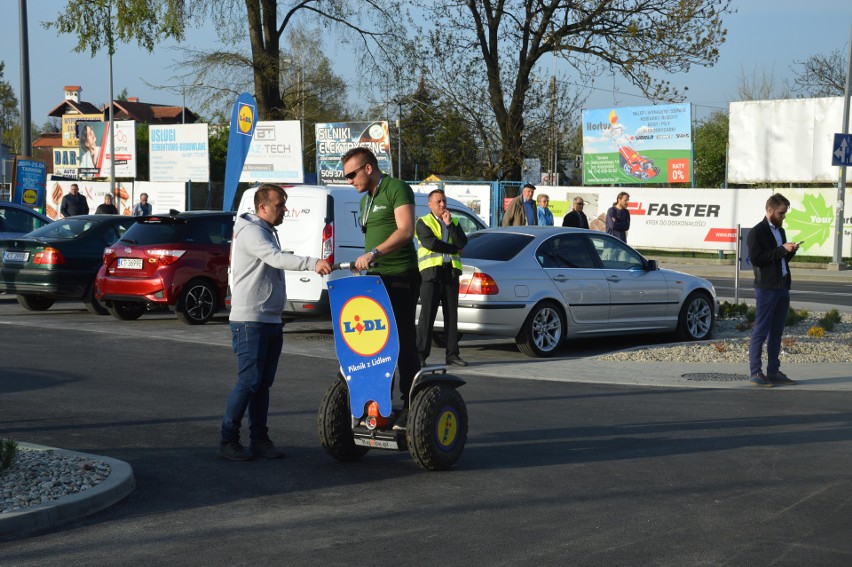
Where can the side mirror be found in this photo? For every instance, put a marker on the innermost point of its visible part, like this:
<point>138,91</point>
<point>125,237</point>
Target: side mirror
<point>651,266</point>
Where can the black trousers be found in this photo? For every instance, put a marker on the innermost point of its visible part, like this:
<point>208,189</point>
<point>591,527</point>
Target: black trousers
<point>440,286</point>
<point>403,291</point>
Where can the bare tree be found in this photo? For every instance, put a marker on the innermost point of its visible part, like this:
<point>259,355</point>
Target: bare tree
<point>821,75</point>
<point>485,53</point>
<point>761,85</point>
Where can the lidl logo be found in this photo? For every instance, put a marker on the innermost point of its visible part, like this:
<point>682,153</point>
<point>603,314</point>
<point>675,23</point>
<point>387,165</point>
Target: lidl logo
<point>364,325</point>
<point>245,118</point>
<point>29,197</point>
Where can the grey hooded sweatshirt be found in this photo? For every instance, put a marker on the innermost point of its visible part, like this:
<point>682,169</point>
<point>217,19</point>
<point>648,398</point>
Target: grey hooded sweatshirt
<point>258,291</point>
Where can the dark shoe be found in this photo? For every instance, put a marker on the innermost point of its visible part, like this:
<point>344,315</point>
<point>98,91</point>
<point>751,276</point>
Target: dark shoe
<point>781,378</point>
<point>401,421</point>
<point>457,360</point>
<point>760,379</point>
<point>265,450</point>
<point>234,451</point>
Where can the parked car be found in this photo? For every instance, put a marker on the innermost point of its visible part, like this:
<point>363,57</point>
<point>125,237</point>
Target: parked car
<point>177,261</point>
<point>16,220</point>
<point>59,260</point>
<point>543,285</point>
<point>324,222</point>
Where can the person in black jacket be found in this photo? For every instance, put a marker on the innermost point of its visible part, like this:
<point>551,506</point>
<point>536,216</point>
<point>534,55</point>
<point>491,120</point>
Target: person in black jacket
<point>441,240</point>
<point>74,203</point>
<point>576,217</point>
<point>770,255</point>
<point>106,208</point>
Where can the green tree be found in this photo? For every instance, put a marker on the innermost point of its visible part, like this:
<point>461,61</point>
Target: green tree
<point>711,150</point>
<point>99,24</point>
<point>9,114</point>
<point>486,53</point>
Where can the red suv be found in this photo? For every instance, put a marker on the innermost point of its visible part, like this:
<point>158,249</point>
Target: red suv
<point>177,261</point>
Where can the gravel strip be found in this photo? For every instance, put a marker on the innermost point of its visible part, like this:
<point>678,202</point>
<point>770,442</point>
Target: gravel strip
<point>731,345</point>
<point>37,477</point>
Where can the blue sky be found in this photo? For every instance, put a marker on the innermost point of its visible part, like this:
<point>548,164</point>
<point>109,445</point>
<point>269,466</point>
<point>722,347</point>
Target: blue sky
<point>765,36</point>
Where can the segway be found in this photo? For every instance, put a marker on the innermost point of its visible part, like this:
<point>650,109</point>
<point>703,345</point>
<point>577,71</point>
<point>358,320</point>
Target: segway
<point>356,413</point>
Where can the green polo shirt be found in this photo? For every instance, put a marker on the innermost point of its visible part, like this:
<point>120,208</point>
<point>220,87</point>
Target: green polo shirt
<point>381,223</point>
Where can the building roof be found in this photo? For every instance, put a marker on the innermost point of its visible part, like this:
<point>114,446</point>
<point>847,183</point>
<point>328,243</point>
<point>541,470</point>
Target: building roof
<point>149,113</point>
<point>69,106</point>
<point>48,140</point>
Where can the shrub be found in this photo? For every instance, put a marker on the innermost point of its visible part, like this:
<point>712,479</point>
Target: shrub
<point>8,452</point>
<point>750,315</point>
<point>816,332</point>
<point>830,319</point>
<point>729,310</point>
<point>795,317</point>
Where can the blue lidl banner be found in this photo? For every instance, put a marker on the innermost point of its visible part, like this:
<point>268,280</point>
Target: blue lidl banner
<point>366,340</point>
<point>30,179</point>
<point>243,121</point>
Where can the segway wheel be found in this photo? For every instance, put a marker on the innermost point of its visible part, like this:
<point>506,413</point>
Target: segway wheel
<point>437,427</point>
<point>334,425</point>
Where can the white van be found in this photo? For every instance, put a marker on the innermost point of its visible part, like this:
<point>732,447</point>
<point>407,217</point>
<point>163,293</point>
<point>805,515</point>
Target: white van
<point>323,222</point>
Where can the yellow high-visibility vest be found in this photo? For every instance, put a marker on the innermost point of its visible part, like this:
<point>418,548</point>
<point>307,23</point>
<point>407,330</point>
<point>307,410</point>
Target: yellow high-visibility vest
<point>427,258</point>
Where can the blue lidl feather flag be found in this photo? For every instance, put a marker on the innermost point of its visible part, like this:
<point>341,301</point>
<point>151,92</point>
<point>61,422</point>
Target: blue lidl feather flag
<point>243,121</point>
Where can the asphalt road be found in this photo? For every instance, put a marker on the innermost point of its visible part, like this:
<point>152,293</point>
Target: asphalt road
<point>838,294</point>
<point>554,473</point>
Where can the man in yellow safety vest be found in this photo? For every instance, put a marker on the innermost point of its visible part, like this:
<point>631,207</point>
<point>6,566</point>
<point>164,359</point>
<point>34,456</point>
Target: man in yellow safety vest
<point>441,240</point>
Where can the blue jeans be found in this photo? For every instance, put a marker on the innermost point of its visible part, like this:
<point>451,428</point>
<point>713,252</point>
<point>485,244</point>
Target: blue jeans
<point>770,313</point>
<point>258,348</point>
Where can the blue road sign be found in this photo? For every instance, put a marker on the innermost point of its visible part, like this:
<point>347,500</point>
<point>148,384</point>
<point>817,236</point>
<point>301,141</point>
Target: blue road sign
<point>841,151</point>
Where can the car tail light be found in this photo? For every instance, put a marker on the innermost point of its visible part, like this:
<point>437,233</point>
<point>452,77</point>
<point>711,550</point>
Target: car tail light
<point>165,257</point>
<point>328,242</point>
<point>478,284</point>
<point>49,256</point>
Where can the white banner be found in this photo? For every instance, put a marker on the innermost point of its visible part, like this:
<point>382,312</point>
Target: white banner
<point>125,150</point>
<point>178,152</point>
<point>706,219</point>
<point>275,153</point>
<point>475,197</point>
<point>784,141</point>
<point>162,196</point>
<point>93,191</point>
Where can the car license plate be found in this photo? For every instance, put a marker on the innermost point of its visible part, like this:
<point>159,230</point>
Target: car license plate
<point>130,263</point>
<point>10,256</point>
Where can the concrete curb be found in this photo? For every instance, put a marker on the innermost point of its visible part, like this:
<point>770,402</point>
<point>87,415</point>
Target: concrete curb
<point>117,486</point>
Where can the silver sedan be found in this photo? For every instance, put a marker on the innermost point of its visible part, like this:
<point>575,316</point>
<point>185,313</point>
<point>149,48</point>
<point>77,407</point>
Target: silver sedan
<point>543,285</point>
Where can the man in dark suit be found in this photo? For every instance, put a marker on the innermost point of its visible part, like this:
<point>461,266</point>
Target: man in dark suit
<point>576,217</point>
<point>770,255</point>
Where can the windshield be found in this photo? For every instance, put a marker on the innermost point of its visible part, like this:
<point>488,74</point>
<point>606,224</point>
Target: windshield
<point>495,245</point>
<point>66,229</point>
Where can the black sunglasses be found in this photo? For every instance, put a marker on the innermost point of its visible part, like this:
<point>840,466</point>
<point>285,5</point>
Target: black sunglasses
<point>351,175</point>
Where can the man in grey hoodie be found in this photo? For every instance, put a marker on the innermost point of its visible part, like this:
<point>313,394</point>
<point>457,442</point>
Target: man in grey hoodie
<point>258,295</point>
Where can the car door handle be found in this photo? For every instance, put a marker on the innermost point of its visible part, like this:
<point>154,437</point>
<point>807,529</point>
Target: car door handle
<point>613,279</point>
<point>561,278</point>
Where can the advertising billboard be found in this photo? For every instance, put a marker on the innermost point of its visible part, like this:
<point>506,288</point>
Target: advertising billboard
<point>784,141</point>
<point>336,138</point>
<point>178,152</point>
<point>94,151</point>
<point>639,144</point>
<point>275,153</point>
<point>29,182</point>
<point>71,124</point>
